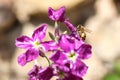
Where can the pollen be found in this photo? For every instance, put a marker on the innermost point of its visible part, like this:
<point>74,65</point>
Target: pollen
<point>36,44</point>
<point>72,56</point>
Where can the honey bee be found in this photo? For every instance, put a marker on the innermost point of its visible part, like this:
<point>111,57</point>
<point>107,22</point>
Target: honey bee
<point>82,31</point>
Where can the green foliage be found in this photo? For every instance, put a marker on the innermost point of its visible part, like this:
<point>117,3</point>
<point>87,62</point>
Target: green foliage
<point>117,67</point>
<point>115,75</point>
<point>111,76</point>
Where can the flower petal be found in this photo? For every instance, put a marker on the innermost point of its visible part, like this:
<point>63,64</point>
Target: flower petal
<point>33,78</point>
<point>31,54</point>
<point>79,69</point>
<point>78,43</point>
<point>49,45</point>
<point>40,32</point>
<point>70,76</point>
<point>66,72</point>
<point>85,51</point>
<point>22,59</point>
<point>51,13</point>
<point>23,42</point>
<point>28,56</point>
<point>75,35</point>
<point>63,67</point>
<point>57,15</point>
<point>34,72</point>
<point>70,25</point>
<point>45,73</point>
<point>58,57</point>
<point>66,43</point>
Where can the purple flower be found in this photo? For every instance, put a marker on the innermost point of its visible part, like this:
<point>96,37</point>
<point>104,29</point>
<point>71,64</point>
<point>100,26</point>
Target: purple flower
<point>77,68</point>
<point>46,73</point>
<point>69,25</point>
<point>38,73</point>
<point>28,56</point>
<point>71,45</point>
<point>72,51</point>
<point>69,76</point>
<point>33,74</point>
<point>57,15</point>
<point>34,45</point>
<point>66,75</point>
<point>75,35</point>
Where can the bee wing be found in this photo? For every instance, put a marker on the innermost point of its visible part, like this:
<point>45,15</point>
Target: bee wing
<point>82,28</point>
<point>88,30</point>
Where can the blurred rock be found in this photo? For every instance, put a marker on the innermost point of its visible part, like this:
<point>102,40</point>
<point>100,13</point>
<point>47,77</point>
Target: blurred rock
<point>117,4</point>
<point>96,69</point>
<point>4,69</point>
<point>7,40</point>
<point>7,3</point>
<point>105,26</point>
<point>105,9</point>
<point>7,19</point>
<point>25,8</point>
<point>81,12</point>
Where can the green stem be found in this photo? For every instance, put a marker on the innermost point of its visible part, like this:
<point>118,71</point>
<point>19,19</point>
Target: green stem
<point>56,31</point>
<point>56,25</point>
<point>47,60</point>
<point>42,54</point>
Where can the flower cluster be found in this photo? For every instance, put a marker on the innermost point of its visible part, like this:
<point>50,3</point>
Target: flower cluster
<point>68,51</point>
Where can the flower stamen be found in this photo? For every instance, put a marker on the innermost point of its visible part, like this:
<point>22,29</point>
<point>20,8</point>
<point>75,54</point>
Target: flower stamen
<point>36,44</point>
<point>72,56</point>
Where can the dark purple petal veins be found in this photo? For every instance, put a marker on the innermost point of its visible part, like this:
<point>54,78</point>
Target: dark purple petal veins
<point>31,54</point>
<point>79,69</point>
<point>63,67</point>
<point>28,56</point>
<point>70,76</point>
<point>65,73</point>
<point>49,45</point>
<point>75,35</point>
<point>78,43</point>
<point>69,25</point>
<point>45,73</point>
<point>51,13</point>
<point>33,72</point>
<point>38,73</point>
<point>33,78</point>
<point>23,42</point>
<point>40,32</point>
<point>58,57</point>
<point>85,51</point>
<point>66,43</point>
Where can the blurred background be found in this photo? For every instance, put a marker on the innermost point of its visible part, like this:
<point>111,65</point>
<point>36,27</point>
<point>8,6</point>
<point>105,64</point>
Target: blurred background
<point>102,17</point>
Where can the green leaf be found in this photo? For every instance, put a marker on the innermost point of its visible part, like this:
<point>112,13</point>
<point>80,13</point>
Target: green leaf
<point>51,36</point>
